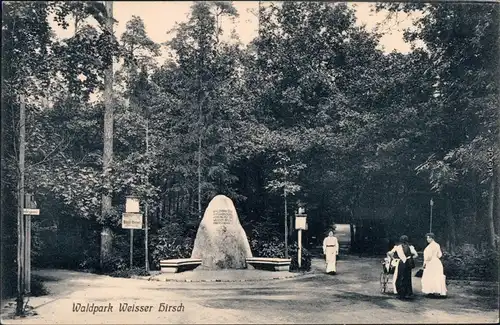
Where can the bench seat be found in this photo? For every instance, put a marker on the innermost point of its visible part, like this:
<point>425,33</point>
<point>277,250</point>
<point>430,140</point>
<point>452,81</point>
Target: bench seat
<point>179,265</point>
<point>269,263</point>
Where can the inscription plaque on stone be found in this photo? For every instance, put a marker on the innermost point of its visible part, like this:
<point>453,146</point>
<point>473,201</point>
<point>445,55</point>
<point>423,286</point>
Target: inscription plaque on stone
<point>222,217</point>
<point>221,241</point>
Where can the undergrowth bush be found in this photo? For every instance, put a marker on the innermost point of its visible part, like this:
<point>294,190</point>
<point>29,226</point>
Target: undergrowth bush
<point>273,248</point>
<point>471,264</point>
<point>170,243</point>
<point>276,248</point>
<point>128,273</point>
<point>305,260</point>
<point>38,287</point>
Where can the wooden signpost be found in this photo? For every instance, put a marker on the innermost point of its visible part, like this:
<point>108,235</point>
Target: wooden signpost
<point>28,211</point>
<point>132,219</point>
<point>300,224</point>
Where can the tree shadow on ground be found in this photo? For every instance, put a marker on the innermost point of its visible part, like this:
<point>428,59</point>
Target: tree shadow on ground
<point>385,301</point>
<point>44,278</point>
<point>324,278</point>
<point>480,302</point>
<point>270,298</point>
<point>296,303</point>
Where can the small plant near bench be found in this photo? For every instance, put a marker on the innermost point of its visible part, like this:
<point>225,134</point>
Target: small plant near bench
<point>275,248</point>
<point>179,265</point>
<point>170,243</point>
<point>269,263</point>
<point>129,272</point>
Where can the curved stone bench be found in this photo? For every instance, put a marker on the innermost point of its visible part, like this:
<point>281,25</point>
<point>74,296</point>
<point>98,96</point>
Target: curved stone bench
<point>179,265</point>
<point>269,263</point>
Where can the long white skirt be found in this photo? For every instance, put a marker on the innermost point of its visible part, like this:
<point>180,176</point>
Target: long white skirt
<point>331,261</point>
<point>395,264</point>
<point>433,278</point>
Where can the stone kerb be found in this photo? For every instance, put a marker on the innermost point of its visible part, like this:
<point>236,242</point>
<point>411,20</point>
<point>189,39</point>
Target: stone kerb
<point>221,241</point>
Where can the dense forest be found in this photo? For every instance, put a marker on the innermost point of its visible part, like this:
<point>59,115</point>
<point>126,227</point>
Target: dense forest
<point>312,110</point>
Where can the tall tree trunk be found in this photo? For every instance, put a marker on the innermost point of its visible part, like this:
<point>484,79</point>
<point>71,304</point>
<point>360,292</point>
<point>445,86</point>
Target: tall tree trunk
<point>286,225</point>
<point>169,205</point>
<point>259,18</point>
<point>154,217</point>
<point>451,223</point>
<point>164,210</point>
<point>491,212</point>
<point>190,201</point>
<point>286,216</point>
<point>107,157</point>
<point>20,214</point>
<point>475,206</point>
<point>496,217</point>
<point>4,266</point>
<point>177,199</point>
<point>497,160</point>
<point>199,161</point>
<point>76,24</point>
<point>182,202</point>
<point>146,208</point>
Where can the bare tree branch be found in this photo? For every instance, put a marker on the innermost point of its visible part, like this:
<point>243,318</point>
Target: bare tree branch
<point>51,155</point>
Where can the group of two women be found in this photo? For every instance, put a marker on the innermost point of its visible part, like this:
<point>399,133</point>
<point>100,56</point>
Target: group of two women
<point>433,279</point>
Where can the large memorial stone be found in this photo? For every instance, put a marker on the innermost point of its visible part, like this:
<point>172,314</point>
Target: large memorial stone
<point>221,241</point>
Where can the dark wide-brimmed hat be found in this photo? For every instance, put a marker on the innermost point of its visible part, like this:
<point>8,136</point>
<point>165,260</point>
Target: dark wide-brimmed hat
<point>403,239</point>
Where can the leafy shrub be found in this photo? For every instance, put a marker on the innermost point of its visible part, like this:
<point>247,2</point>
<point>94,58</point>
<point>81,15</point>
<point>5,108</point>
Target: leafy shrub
<point>265,230</point>
<point>306,258</point>
<point>471,264</point>
<point>62,241</point>
<point>169,243</point>
<point>273,248</point>
<point>90,262</point>
<point>38,287</point>
<point>128,273</point>
<point>120,258</point>
<point>276,248</point>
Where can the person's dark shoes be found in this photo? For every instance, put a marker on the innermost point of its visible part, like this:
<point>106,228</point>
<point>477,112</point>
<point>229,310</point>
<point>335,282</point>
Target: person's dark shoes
<point>435,296</point>
<point>405,297</point>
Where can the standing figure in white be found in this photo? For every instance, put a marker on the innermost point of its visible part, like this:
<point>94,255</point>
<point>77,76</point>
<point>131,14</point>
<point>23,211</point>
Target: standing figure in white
<point>433,278</point>
<point>331,250</point>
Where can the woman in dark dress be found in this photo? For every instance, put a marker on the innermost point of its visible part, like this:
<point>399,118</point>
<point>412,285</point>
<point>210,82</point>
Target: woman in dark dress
<point>406,254</point>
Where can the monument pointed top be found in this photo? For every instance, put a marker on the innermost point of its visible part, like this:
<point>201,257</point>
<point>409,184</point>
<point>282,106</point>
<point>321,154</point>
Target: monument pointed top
<point>221,241</point>
<point>220,196</point>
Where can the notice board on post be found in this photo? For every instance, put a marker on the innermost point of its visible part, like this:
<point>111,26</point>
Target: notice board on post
<point>300,222</point>
<point>132,221</point>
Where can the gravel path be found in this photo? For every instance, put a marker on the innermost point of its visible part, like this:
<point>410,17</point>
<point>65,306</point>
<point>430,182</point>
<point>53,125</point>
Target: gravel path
<point>352,296</point>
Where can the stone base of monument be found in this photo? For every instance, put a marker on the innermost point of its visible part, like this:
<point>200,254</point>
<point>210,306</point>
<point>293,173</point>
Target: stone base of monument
<point>268,263</point>
<point>179,265</point>
<point>227,275</point>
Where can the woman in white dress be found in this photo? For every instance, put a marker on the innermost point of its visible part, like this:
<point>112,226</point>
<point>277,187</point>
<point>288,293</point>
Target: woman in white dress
<point>433,278</point>
<point>331,250</point>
